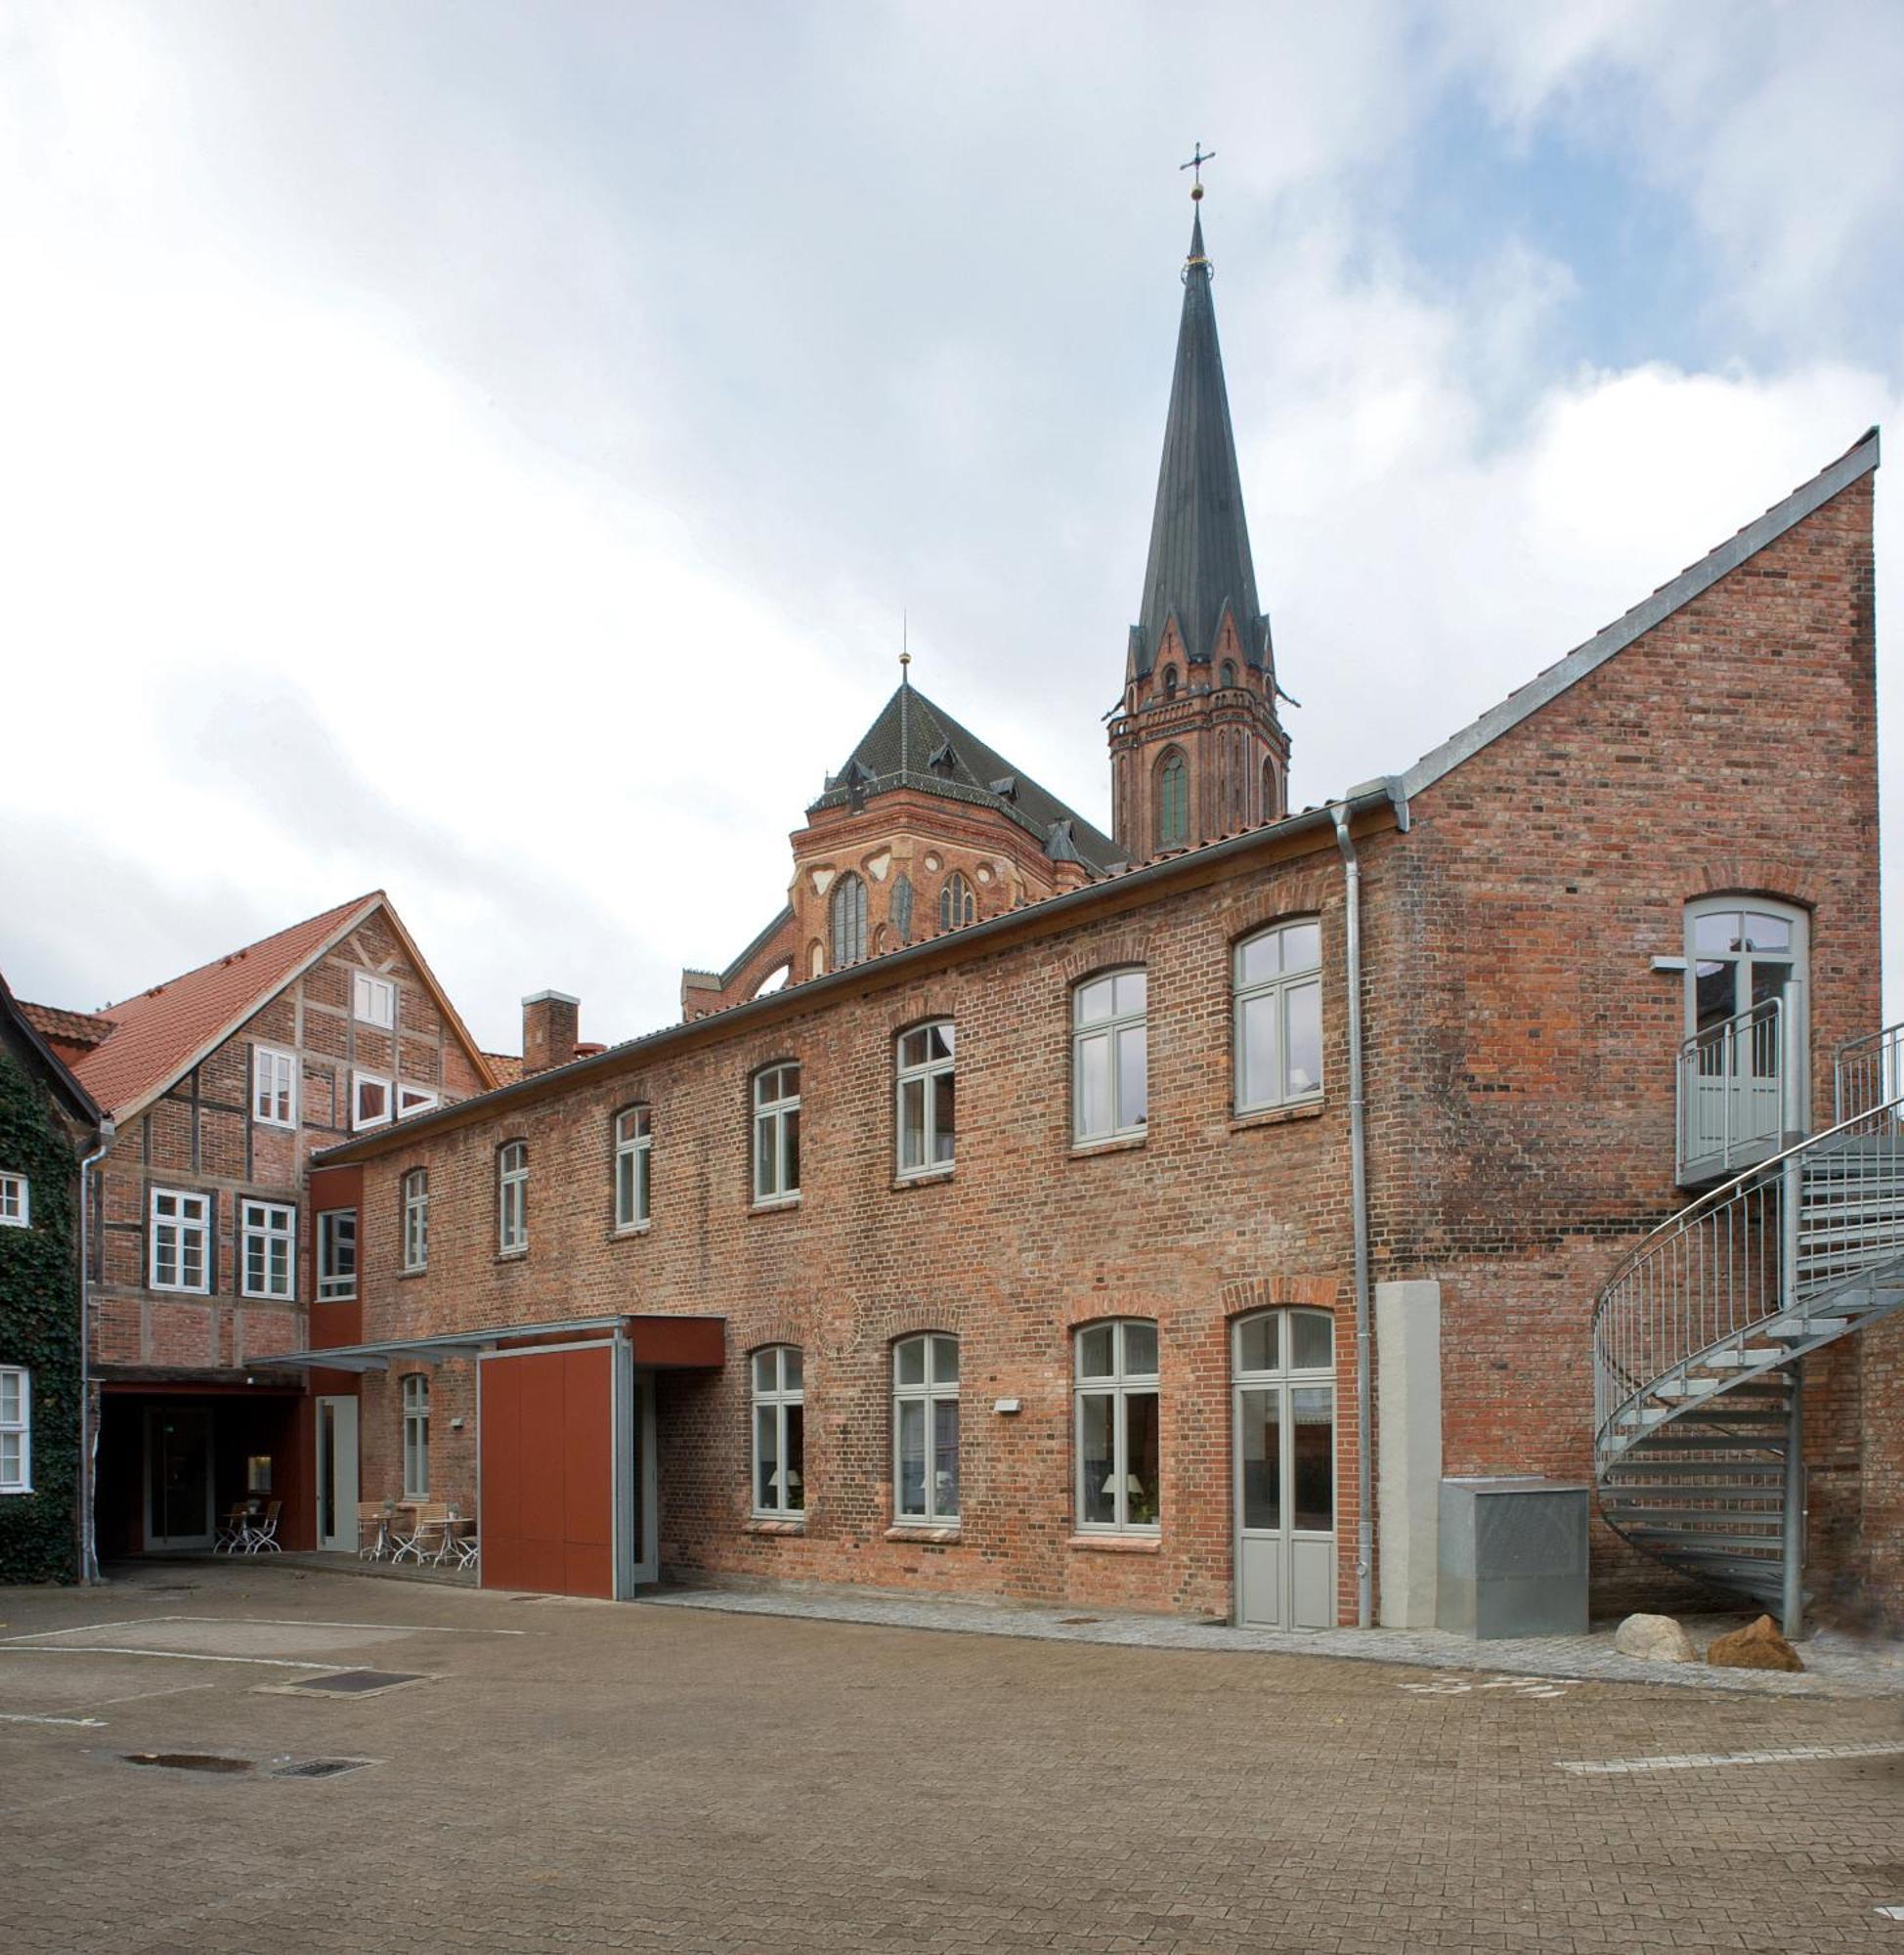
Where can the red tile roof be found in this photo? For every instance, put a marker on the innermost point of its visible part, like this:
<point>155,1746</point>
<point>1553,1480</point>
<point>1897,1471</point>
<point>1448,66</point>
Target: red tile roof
<point>506,1066</point>
<point>59,1026</point>
<point>162,1033</point>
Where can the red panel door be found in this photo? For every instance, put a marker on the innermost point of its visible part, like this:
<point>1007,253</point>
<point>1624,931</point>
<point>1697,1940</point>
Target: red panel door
<point>547,1437</point>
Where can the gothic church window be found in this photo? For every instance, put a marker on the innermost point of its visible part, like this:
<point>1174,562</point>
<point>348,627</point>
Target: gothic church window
<point>848,920</point>
<point>901,911</point>
<point>1173,801</point>
<point>957,905</point>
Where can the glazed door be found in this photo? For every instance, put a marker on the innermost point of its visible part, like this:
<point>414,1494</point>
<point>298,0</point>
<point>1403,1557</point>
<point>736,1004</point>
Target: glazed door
<point>1284,1419</point>
<point>178,1478</point>
<point>337,1474</point>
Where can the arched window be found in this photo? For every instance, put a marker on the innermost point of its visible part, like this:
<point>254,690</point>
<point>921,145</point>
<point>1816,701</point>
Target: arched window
<point>1230,671</point>
<point>926,1429</point>
<point>1272,793</point>
<point>416,1219</point>
<point>1170,681</point>
<point>1278,1015</point>
<point>925,1081</point>
<point>1117,1422</point>
<point>512,1197</point>
<point>779,1432</point>
<point>776,1133</point>
<point>901,907</point>
<point>957,905</point>
<point>848,919</point>
<point>1173,801</point>
<point>1109,1056</point>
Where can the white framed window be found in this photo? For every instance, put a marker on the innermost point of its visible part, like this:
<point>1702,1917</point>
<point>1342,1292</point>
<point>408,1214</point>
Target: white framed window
<point>776,1133</point>
<point>16,1202</point>
<point>1109,1056</point>
<point>416,1437</point>
<point>1116,1420</point>
<point>634,1142</point>
<point>415,1099</point>
<point>1277,980</point>
<point>374,1000</point>
<point>927,1124</point>
<point>336,1255</point>
<point>512,1197</point>
<point>416,1219</point>
<point>779,1432</point>
<point>180,1240</point>
<point>926,1429</point>
<point>15,1430</point>
<point>274,1087</point>
<point>369,1100</point>
<point>267,1249</point>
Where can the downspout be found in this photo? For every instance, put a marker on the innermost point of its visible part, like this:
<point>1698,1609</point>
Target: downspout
<point>88,1433</point>
<point>1358,1204</point>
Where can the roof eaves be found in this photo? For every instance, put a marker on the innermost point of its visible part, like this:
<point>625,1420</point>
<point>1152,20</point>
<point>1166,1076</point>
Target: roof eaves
<point>1382,793</point>
<point>57,1071</point>
<point>1857,460</point>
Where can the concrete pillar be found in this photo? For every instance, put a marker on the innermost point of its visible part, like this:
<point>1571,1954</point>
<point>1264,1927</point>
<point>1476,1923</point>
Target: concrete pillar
<point>1407,1450</point>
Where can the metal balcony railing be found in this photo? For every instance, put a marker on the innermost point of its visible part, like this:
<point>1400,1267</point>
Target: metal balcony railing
<point>1736,1089</point>
<point>1868,1073</point>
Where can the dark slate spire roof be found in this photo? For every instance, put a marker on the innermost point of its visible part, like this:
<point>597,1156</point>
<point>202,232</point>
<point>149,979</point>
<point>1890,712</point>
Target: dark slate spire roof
<point>1199,544</point>
<point>915,744</point>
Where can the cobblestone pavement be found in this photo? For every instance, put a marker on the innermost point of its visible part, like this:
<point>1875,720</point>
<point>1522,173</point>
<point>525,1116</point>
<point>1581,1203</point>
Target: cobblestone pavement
<point>574,1775</point>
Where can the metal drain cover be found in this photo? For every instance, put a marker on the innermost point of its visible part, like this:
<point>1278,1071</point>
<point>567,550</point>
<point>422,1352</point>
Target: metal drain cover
<point>319,1767</point>
<point>359,1683</point>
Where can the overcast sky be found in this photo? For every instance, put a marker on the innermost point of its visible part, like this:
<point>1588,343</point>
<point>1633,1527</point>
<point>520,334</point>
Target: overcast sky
<point>485,451</point>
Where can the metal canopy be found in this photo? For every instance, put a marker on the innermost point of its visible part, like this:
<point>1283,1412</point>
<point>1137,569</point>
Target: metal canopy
<point>452,1344</point>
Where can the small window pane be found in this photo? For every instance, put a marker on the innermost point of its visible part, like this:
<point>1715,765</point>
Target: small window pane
<point>940,1037</point>
<point>1767,933</point>
<point>1095,1352</point>
<point>912,1456</point>
<point>1133,1076</point>
<point>1130,991</point>
<point>1141,1482</point>
<point>790,1164</point>
<point>763,1371</point>
<point>945,1361</point>
<point>1095,1001</point>
<point>1259,1049</point>
<point>944,1124</point>
<point>766,1443</point>
<point>1305,1041</point>
<point>1312,1420</point>
<point>1094,1085</point>
<point>767,1157</point>
<point>912,1361</point>
<point>790,1367</point>
<point>945,1458</point>
<point>1716,935</point>
<point>9,1398</point>
<point>1302,946</point>
<point>1258,1415</point>
<point>1259,959</point>
<point>912,1123</point>
<point>1097,1450</point>
<point>796,1467</point>
<point>1140,1350</point>
<point>1312,1336</point>
<point>1256,1344</point>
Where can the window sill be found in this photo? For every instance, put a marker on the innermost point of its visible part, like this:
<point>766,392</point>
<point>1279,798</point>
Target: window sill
<point>1112,1145</point>
<point>6,1490</point>
<point>406,1276</point>
<point>351,1298</point>
<point>513,1255</point>
<point>774,1203</point>
<point>633,1229</point>
<point>1116,1543</point>
<point>759,1524</point>
<point>1276,1117</point>
<point>929,1533</point>
<point>926,1177</point>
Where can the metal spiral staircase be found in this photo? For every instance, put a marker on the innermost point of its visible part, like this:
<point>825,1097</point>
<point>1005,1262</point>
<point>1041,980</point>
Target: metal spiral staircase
<point>1697,1339</point>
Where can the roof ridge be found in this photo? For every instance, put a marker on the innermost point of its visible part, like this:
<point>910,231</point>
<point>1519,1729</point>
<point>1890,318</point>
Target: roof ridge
<point>244,950</point>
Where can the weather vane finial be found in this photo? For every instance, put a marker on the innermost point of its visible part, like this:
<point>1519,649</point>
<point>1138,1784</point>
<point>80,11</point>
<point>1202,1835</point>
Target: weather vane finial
<point>905,646</point>
<point>1200,156</point>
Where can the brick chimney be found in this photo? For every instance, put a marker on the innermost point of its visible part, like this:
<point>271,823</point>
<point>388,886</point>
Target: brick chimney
<point>551,1020</point>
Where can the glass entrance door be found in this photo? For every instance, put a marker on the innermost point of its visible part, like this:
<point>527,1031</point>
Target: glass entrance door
<point>1283,1368</point>
<point>1745,1030</point>
<point>178,1478</point>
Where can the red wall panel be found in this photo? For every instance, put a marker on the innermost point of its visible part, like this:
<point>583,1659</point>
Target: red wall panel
<point>547,1433</point>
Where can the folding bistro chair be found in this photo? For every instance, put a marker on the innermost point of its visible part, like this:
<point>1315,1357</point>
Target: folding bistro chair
<point>231,1530</point>
<point>421,1539</point>
<point>458,1547</point>
<point>261,1531</point>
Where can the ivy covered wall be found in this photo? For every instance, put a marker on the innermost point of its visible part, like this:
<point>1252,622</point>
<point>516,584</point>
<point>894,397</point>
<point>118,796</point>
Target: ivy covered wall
<point>39,1327</point>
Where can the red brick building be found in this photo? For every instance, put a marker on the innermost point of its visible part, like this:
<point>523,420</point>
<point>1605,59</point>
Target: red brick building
<point>212,1242</point>
<point>1159,1221</point>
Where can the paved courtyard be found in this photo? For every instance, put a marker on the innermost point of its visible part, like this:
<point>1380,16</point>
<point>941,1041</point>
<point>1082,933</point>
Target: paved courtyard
<point>582,1775</point>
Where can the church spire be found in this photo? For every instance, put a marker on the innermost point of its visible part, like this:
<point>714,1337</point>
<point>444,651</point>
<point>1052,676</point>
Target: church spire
<point>1197,749</point>
<point>1200,565</point>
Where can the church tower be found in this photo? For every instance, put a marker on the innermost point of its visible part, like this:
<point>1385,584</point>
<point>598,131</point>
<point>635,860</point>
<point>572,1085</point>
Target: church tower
<point>1196,750</point>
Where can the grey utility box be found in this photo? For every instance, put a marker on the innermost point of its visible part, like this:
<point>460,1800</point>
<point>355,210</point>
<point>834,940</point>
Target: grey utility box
<point>1513,1558</point>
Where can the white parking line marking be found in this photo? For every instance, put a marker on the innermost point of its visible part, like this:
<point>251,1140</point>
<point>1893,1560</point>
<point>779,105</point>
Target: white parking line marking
<point>171,1656</point>
<point>1451,1683</point>
<point>1891,1913</point>
<point>1792,1754</point>
<point>21,1718</point>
